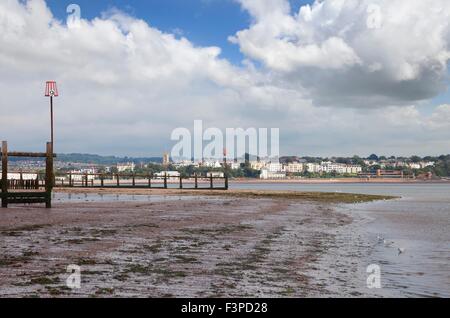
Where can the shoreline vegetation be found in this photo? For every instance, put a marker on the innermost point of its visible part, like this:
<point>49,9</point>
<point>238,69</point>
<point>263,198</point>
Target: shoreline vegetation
<point>322,197</point>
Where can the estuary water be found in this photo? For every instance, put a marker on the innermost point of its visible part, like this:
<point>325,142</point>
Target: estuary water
<point>409,237</point>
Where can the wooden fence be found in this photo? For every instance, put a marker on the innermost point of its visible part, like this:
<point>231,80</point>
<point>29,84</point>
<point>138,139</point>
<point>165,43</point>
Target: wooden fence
<point>9,193</point>
<point>24,184</point>
<point>147,181</point>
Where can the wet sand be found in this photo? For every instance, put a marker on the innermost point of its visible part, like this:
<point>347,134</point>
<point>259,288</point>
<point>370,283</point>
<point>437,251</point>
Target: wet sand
<point>329,197</point>
<point>198,246</point>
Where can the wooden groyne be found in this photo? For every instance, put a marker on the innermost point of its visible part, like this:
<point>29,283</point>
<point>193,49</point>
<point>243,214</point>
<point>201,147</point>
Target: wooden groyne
<point>140,181</point>
<point>9,193</point>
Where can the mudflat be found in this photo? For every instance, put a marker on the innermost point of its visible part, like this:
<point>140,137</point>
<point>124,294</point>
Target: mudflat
<point>202,244</point>
<point>299,196</point>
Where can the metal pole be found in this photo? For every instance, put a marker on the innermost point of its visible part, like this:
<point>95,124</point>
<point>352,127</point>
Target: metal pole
<point>51,120</point>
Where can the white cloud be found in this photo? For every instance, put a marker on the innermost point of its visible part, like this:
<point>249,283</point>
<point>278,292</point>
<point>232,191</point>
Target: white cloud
<point>125,85</point>
<point>114,73</point>
<point>353,52</point>
<point>440,119</point>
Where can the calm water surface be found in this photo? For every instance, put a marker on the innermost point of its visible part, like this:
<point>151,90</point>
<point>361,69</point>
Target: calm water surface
<point>418,224</point>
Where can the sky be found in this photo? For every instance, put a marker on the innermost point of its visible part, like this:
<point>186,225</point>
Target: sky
<point>337,77</point>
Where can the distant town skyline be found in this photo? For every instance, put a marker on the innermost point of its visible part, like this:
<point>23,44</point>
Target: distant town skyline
<point>338,78</point>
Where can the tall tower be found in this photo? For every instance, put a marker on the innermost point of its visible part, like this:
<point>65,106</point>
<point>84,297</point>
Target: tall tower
<point>166,159</point>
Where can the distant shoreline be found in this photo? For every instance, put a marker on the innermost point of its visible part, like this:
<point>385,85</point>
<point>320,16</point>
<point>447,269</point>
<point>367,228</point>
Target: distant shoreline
<point>339,180</point>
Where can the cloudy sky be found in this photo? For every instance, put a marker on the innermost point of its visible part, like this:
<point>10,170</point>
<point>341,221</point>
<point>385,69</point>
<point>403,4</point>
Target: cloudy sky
<point>338,77</point>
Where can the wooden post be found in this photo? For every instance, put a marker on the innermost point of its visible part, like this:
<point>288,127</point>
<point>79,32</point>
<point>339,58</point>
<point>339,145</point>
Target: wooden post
<point>181,182</point>
<point>150,180</point>
<point>165,180</point>
<point>211,181</point>
<point>102,180</point>
<point>70,179</point>
<point>4,174</point>
<point>118,182</point>
<point>134,180</point>
<point>196,181</point>
<point>49,175</point>
<point>225,166</point>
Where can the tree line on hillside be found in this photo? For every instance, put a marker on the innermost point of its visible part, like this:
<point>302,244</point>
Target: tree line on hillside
<point>103,160</point>
<point>441,167</point>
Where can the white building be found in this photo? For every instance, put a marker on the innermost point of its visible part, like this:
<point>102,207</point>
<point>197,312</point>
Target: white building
<point>274,167</point>
<point>23,176</point>
<point>80,177</point>
<point>313,167</point>
<point>129,166</point>
<point>329,167</point>
<point>353,169</point>
<point>257,165</point>
<point>400,164</point>
<point>333,167</point>
<point>234,165</point>
<point>171,175</point>
<point>427,164</point>
<point>266,174</point>
<point>211,164</point>
<point>185,163</point>
<point>340,168</point>
<point>294,167</point>
<point>415,165</point>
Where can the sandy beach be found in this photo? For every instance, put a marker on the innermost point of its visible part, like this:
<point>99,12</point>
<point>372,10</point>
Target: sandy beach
<point>190,245</point>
